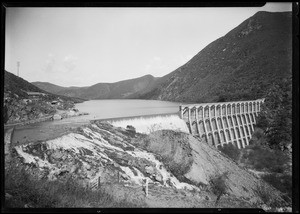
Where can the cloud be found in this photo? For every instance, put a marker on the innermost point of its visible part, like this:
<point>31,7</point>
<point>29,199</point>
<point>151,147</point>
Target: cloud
<point>155,64</point>
<point>70,62</point>
<point>50,64</point>
<point>65,65</point>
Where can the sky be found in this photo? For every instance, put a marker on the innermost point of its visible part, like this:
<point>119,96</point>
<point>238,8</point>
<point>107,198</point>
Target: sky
<point>85,46</point>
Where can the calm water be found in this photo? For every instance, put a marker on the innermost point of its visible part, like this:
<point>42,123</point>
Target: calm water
<point>97,109</point>
<point>104,109</point>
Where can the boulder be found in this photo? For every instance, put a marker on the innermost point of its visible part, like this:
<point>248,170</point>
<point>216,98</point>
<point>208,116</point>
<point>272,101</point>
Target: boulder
<point>158,177</point>
<point>57,117</point>
<point>150,170</point>
<point>57,155</point>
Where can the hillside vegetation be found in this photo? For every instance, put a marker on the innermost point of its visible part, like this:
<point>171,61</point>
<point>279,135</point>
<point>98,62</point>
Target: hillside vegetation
<point>241,65</point>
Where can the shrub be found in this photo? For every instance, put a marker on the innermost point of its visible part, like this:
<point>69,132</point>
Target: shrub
<point>218,185</point>
<point>266,195</point>
<point>231,151</point>
<point>282,183</point>
<point>263,158</point>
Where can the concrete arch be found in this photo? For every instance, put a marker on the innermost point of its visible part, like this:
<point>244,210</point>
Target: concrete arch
<point>233,108</point>
<point>217,139</point>
<point>212,111</point>
<point>229,109</point>
<point>230,121</point>
<point>248,118</point>
<point>225,122</point>
<point>211,140</point>
<point>238,108</point>
<point>235,120</point>
<point>214,124</point>
<point>238,132</point>
<point>232,134</point>
<point>220,123</point>
<point>242,108</point>
<point>199,112</point>
<point>223,137</point>
<point>239,117</point>
<point>244,119</point>
<point>247,130</point>
<point>250,107</point>
<point>243,132</point>
<point>208,126</point>
<point>223,109</point>
<point>227,132</point>
<point>201,126</point>
<point>218,110</point>
<point>252,118</point>
<point>254,106</point>
<point>246,107</point>
<point>206,111</point>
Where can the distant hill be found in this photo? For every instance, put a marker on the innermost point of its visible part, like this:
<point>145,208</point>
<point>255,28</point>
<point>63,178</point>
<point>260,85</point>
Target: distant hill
<point>20,108</point>
<point>117,90</point>
<point>46,86</point>
<point>238,66</point>
<point>18,86</point>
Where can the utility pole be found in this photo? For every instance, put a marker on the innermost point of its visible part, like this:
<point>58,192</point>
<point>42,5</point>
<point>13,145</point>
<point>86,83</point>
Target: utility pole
<point>18,65</point>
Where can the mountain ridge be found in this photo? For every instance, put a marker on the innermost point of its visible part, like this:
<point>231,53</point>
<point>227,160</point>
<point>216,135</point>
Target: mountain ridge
<point>230,68</point>
<point>120,89</point>
<point>240,65</point>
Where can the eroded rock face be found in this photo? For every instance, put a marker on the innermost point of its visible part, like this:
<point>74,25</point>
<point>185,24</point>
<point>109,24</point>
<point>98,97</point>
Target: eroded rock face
<point>97,150</point>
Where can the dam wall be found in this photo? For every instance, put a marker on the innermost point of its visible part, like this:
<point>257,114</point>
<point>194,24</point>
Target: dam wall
<point>222,123</point>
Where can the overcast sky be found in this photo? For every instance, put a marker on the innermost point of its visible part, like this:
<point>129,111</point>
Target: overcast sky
<point>85,46</point>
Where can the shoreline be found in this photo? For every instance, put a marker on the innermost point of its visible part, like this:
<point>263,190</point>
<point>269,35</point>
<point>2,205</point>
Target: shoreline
<point>63,114</point>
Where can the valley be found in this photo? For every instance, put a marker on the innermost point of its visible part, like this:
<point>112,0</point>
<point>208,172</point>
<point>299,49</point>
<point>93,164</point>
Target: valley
<point>162,142</point>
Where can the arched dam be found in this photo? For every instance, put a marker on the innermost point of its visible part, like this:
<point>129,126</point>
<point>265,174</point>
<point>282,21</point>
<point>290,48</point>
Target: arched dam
<point>222,123</point>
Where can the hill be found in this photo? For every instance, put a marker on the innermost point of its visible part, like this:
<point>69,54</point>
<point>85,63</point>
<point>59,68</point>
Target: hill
<point>238,66</point>
<point>20,107</point>
<point>117,90</point>
<point>18,86</point>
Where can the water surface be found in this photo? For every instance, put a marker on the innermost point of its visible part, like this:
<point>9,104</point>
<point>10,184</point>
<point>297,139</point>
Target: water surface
<point>104,109</point>
<point>97,109</point>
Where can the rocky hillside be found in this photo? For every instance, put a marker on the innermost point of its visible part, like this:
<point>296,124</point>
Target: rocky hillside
<point>117,90</point>
<point>99,153</point>
<point>20,107</point>
<point>238,66</point>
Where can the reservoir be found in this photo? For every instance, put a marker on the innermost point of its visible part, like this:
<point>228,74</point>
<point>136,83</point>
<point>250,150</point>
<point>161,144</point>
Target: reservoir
<point>97,110</point>
<point>104,109</point>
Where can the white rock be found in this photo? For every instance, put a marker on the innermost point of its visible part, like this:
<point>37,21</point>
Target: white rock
<point>56,117</point>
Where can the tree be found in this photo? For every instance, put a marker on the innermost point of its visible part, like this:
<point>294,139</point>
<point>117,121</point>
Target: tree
<point>276,114</point>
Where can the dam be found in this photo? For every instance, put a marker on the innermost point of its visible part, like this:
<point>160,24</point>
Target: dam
<point>222,123</point>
